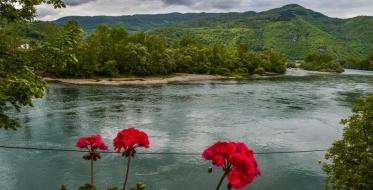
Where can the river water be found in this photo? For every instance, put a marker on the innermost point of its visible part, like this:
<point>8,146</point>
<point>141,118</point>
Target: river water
<point>298,111</point>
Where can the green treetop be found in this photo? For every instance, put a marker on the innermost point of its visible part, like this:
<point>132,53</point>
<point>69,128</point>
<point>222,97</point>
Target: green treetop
<point>18,82</point>
<point>350,159</point>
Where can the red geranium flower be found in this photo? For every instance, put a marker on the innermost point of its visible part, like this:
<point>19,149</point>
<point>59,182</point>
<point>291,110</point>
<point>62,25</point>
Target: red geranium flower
<point>244,170</point>
<point>127,139</point>
<point>237,161</point>
<point>219,152</point>
<point>92,143</point>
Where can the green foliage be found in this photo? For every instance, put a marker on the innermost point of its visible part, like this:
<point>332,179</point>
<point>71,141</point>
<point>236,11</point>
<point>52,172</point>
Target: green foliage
<point>18,82</point>
<point>321,62</point>
<point>113,188</point>
<point>25,9</point>
<point>291,65</point>
<point>292,30</point>
<point>57,53</point>
<point>139,186</point>
<point>351,158</point>
<point>111,51</point>
<point>135,23</point>
<point>87,187</point>
<point>356,63</point>
<point>259,71</point>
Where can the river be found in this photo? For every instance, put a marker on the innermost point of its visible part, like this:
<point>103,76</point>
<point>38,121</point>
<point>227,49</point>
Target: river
<point>299,111</point>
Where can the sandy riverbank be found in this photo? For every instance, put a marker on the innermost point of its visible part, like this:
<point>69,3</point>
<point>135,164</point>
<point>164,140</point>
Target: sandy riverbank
<point>136,80</point>
<point>179,78</point>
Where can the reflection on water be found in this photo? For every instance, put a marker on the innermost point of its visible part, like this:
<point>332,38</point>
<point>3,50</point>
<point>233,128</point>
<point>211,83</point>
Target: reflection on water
<point>278,114</point>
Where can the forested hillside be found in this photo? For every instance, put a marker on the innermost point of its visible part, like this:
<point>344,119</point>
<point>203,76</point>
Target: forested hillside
<point>292,30</point>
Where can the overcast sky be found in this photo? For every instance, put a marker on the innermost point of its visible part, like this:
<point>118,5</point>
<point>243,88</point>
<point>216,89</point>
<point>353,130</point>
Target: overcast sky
<point>333,8</point>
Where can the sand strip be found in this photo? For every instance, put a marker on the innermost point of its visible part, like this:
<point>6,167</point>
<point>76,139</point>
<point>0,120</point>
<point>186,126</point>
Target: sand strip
<point>136,81</point>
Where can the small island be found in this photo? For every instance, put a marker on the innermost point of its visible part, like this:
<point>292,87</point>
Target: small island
<point>321,62</point>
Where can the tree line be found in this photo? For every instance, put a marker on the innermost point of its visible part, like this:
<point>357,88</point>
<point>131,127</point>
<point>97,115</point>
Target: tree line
<point>359,63</point>
<point>325,62</point>
<point>63,51</point>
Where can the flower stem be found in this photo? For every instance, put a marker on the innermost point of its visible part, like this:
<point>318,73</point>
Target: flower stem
<point>128,169</point>
<point>91,174</point>
<point>221,180</point>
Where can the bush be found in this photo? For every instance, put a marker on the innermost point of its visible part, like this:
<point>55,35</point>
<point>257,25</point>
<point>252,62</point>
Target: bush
<point>241,71</point>
<point>259,71</point>
<point>291,65</point>
<point>223,71</point>
<point>109,69</point>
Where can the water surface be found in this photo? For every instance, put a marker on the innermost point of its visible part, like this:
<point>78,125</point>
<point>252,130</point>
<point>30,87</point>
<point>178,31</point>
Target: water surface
<point>289,113</point>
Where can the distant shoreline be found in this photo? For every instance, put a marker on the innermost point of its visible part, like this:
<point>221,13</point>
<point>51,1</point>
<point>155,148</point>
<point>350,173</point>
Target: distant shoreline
<point>136,80</point>
<point>181,77</point>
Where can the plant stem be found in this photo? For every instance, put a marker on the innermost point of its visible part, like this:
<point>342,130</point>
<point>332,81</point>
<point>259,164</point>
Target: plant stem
<point>128,169</point>
<point>91,174</point>
<point>221,180</point>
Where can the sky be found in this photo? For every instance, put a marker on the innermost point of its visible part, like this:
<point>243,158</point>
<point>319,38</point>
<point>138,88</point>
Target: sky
<point>332,8</point>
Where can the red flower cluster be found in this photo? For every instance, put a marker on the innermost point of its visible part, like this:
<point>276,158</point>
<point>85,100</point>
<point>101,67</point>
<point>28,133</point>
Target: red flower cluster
<point>237,160</point>
<point>92,143</point>
<point>127,139</point>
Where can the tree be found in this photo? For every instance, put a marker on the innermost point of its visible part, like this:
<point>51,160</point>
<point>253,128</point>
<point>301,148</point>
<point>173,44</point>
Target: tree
<point>18,82</point>
<point>68,46</point>
<point>351,158</point>
<point>136,59</point>
<point>23,10</point>
<point>58,54</point>
<point>278,62</point>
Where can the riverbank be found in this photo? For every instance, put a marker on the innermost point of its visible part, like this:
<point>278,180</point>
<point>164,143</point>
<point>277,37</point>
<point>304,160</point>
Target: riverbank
<point>136,80</point>
<point>185,78</point>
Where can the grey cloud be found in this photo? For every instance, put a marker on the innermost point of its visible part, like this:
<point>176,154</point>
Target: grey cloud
<point>197,4</point>
<point>76,2</point>
<point>333,8</point>
<point>226,4</point>
<point>44,12</point>
<point>179,2</point>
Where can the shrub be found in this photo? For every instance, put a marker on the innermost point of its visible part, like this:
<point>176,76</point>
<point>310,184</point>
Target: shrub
<point>259,71</point>
<point>223,71</point>
<point>291,65</point>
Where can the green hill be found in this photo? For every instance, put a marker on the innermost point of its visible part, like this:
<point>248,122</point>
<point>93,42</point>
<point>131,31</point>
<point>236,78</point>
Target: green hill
<point>292,29</point>
<point>135,23</point>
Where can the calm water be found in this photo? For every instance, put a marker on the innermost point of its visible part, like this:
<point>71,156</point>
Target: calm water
<point>279,114</point>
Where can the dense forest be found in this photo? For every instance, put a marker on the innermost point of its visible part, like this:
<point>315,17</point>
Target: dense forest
<point>292,30</point>
<point>112,51</point>
<point>63,51</point>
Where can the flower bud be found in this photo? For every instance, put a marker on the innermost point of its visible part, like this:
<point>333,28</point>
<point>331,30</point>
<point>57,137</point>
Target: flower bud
<point>209,169</point>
